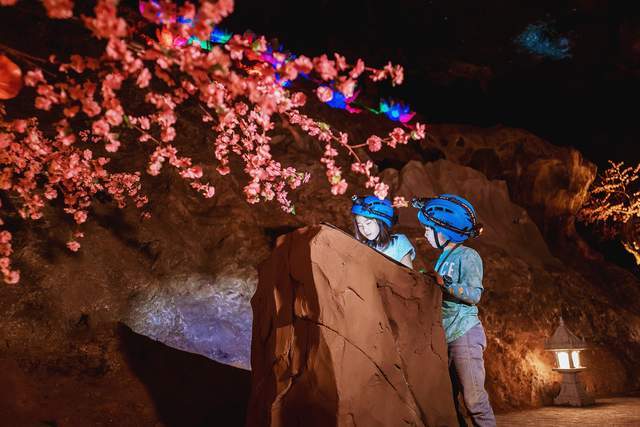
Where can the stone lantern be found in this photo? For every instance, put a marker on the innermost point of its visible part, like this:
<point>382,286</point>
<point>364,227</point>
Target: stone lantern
<point>567,347</point>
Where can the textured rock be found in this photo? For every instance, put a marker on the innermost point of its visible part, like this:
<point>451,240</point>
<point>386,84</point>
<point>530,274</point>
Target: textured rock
<point>186,275</point>
<point>505,224</point>
<point>207,316</point>
<point>344,336</point>
<point>551,182</point>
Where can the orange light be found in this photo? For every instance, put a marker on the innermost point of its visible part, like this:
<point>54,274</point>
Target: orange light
<point>10,78</point>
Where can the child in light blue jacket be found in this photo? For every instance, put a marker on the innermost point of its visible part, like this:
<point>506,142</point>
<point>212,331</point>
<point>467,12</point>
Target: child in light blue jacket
<point>449,220</point>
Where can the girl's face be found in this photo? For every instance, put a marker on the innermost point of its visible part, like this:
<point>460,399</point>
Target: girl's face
<point>431,238</point>
<point>368,227</point>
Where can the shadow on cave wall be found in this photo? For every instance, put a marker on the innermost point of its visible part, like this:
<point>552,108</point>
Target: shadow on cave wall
<point>187,389</point>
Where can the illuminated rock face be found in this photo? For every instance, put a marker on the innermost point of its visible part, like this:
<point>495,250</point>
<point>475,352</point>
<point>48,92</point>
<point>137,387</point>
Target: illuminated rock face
<point>185,276</point>
<point>211,317</point>
<point>344,336</point>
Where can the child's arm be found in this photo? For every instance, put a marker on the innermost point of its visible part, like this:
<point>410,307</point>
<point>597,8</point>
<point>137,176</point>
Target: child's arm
<point>469,289</point>
<point>406,260</point>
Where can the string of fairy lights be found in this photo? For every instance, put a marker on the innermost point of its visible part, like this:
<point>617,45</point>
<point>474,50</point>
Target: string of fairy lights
<point>394,110</point>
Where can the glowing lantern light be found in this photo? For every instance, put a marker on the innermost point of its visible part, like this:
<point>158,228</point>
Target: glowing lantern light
<point>567,347</point>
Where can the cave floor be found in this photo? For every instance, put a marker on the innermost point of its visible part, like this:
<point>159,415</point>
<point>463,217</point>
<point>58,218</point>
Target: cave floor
<point>609,412</point>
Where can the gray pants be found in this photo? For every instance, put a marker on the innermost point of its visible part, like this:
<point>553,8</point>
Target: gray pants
<point>466,366</point>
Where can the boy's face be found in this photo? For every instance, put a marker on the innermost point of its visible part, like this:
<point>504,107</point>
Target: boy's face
<point>368,227</point>
<point>431,238</point>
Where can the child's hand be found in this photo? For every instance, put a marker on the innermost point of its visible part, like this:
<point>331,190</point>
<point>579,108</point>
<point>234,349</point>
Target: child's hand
<point>438,278</point>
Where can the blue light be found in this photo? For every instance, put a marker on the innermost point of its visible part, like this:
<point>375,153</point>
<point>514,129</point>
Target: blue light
<point>542,40</point>
<point>219,36</point>
<point>396,111</point>
<point>338,101</point>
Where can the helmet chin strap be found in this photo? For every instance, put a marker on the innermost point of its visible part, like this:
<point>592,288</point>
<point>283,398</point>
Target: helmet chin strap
<point>437,239</point>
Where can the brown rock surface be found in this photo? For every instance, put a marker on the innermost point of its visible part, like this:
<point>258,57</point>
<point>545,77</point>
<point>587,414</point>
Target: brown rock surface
<point>551,182</point>
<point>344,336</point>
<point>185,278</point>
<point>505,224</point>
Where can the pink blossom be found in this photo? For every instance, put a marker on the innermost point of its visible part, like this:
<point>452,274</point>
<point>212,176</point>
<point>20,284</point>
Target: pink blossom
<point>80,216</point>
<point>241,108</point>
<point>304,64</point>
<point>71,112</point>
<point>378,75</point>
<point>113,117</point>
<point>90,107</point>
<point>113,145</point>
<point>32,78</point>
<point>251,191</point>
<point>144,123</point>
<point>106,24</point>
<point>381,190</point>
<point>325,67</point>
<point>357,69</point>
<point>324,94</point>
<point>397,75</point>
<point>341,62</point>
<point>51,193</point>
<point>339,188</point>
<point>5,237</point>
<point>213,13</point>
<point>73,245</point>
<point>298,99</point>
<point>398,136</point>
<point>143,78</point>
<point>192,173</point>
<point>375,143</point>
<point>59,9</point>
<point>419,132</point>
<point>362,168</point>
<point>400,202</point>
<point>43,103</point>
<point>223,170</point>
<point>11,277</point>
<point>346,86</point>
<point>168,134</point>
<point>77,63</point>
<point>20,126</point>
<point>100,127</point>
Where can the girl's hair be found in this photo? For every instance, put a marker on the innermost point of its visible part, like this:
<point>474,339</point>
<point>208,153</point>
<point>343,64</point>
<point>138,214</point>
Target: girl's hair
<point>380,242</point>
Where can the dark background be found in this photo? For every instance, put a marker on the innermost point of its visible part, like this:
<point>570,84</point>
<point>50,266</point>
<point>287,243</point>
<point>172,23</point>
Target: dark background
<point>588,101</point>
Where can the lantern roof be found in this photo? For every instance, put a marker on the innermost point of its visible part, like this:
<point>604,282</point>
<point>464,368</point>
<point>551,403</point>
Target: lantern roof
<point>564,339</point>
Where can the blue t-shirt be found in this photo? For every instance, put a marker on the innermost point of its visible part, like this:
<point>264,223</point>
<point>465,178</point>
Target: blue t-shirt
<point>398,247</point>
<point>459,312</point>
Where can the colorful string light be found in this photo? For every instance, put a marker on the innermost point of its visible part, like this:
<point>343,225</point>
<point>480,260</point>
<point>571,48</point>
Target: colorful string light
<point>396,111</point>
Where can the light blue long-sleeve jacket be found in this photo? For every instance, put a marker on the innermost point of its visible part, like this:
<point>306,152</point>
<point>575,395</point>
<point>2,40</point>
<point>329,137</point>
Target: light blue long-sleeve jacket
<point>463,266</point>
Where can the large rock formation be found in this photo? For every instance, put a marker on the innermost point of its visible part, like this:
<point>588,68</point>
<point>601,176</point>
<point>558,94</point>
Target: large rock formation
<point>527,289</point>
<point>344,336</point>
<point>185,277</point>
<point>505,224</point>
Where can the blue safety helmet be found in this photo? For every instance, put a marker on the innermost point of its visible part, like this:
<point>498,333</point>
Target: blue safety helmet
<point>372,207</point>
<point>450,215</point>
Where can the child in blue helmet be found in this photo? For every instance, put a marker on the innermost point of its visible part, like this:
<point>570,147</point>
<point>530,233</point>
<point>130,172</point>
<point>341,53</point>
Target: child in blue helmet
<point>449,220</point>
<point>372,220</point>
